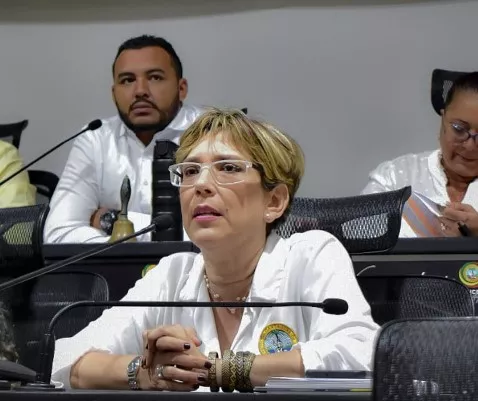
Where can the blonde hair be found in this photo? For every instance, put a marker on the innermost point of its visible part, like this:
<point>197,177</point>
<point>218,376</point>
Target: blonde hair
<point>280,157</point>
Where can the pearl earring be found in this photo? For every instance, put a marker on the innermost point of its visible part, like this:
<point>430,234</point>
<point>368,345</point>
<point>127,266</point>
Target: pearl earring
<point>268,217</point>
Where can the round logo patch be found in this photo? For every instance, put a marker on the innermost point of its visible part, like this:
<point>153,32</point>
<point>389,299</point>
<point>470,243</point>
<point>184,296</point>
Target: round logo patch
<point>275,338</point>
<point>146,269</point>
<point>468,274</point>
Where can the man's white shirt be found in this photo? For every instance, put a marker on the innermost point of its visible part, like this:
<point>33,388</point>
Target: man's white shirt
<point>309,267</point>
<point>98,162</point>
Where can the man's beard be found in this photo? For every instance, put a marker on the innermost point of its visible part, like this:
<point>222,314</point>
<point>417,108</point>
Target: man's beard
<point>164,119</point>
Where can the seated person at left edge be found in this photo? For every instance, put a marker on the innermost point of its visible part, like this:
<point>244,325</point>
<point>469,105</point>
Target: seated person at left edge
<point>236,178</point>
<point>18,191</point>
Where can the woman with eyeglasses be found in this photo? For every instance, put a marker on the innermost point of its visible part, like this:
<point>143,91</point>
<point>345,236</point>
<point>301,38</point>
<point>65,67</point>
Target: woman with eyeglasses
<point>236,179</point>
<point>447,175</point>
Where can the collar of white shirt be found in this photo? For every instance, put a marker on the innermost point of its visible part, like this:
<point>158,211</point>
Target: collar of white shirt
<point>265,286</point>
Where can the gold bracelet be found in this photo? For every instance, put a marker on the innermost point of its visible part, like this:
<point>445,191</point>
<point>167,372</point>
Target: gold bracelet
<point>212,357</point>
<point>232,376</point>
<point>248,361</point>
<point>240,379</point>
<point>227,359</point>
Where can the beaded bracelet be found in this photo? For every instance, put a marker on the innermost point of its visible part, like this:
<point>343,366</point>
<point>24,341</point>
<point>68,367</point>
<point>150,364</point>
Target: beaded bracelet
<point>212,357</point>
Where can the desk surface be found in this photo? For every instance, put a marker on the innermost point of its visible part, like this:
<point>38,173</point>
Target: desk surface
<point>88,395</point>
<point>155,250</point>
<point>131,250</point>
<point>436,246</point>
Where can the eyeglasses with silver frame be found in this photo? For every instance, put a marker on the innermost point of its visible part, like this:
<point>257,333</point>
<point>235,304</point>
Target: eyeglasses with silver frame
<point>224,172</point>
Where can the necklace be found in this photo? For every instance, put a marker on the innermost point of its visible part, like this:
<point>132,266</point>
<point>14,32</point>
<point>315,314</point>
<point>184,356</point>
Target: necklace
<point>217,297</point>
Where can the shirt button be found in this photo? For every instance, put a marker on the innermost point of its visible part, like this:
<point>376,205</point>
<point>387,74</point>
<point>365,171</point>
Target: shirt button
<point>145,182</point>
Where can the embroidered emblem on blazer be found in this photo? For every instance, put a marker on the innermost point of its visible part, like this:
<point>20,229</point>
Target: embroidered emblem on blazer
<point>146,269</point>
<point>276,337</point>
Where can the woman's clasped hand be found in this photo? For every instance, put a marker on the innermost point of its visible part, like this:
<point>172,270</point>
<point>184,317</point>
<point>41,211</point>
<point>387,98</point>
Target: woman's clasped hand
<point>172,360</point>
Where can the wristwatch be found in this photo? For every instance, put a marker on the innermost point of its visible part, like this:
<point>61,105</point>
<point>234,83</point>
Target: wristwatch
<point>132,371</point>
<point>107,220</point>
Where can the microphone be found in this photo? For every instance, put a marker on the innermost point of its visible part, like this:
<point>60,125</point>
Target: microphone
<point>92,126</point>
<point>16,372</point>
<point>334,306</point>
<point>162,222</point>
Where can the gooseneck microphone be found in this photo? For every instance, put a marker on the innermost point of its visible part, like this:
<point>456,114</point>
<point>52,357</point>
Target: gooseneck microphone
<point>334,306</point>
<point>92,126</point>
<point>162,222</point>
<point>16,372</point>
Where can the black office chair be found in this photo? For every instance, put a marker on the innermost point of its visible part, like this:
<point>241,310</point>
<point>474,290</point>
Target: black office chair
<point>45,183</point>
<point>37,301</point>
<point>442,81</point>
<point>430,359</point>
<point>364,224</point>
<point>21,238</point>
<point>407,297</point>
<point>13,132</point>
<point>165,197</point>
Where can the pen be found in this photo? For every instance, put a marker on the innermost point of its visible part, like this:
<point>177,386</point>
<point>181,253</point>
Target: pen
<point>464,230</point>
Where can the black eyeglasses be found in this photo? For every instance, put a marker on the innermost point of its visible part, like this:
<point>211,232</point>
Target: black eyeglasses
<point>461,132</point>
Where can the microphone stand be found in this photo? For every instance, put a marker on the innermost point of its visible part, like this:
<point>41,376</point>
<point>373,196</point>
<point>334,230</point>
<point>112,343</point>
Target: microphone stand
<point>92,126</point>
<point>329,305</point>
<point>161,222</point>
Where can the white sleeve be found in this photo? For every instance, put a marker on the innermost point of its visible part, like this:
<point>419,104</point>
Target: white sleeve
<point>118,330</point>
<point>76,197</point>
<point>336,342</point>
<point>140,221</point>
<point>380,180</point>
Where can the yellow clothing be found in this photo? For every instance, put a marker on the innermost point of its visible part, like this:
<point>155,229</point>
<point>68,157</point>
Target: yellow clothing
<point>18,191</point>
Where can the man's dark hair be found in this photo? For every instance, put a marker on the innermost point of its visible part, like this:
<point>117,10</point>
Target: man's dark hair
<point>140,42</point>
<point>464,83</point>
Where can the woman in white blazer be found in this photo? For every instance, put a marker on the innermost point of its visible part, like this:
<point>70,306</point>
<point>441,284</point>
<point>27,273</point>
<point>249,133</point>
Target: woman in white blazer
<point>448,175</point>
<point>236,177</point>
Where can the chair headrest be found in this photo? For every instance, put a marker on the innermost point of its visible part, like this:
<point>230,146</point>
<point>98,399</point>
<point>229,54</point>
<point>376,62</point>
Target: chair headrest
<point>442,81</point>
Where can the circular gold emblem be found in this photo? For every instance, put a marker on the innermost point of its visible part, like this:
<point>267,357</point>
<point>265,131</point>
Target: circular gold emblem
<point>146,269</point>
<point>275,338</point>
<point>468,274</point>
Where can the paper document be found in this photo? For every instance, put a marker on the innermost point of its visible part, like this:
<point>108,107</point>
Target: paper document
<point>422,214</point>
<point>318,384</point>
